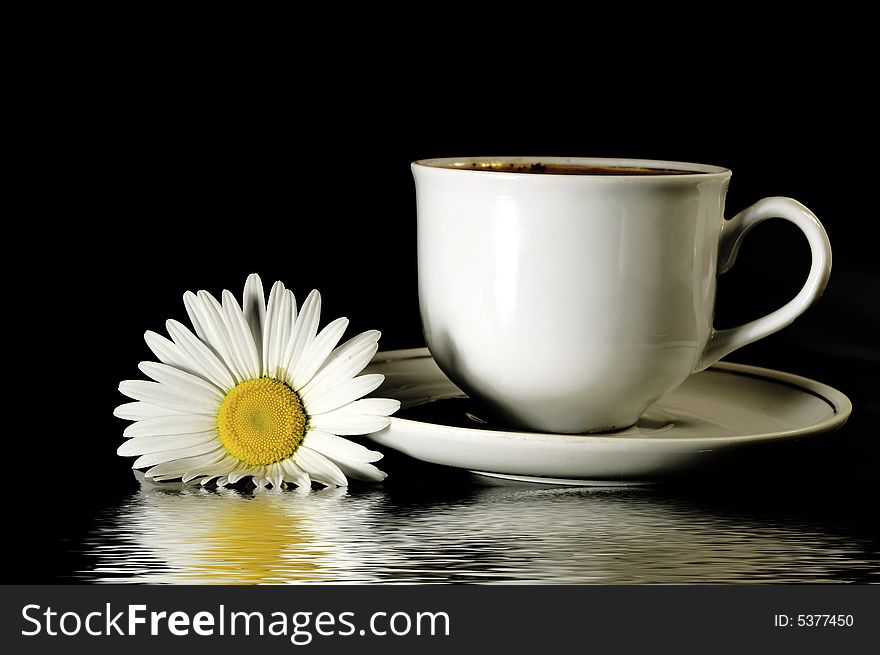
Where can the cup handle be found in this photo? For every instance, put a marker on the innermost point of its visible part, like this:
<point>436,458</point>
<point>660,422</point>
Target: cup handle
<point>722,342</point>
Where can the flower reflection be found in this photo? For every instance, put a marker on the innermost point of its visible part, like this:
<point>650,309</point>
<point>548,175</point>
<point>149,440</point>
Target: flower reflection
<point>192,535</point>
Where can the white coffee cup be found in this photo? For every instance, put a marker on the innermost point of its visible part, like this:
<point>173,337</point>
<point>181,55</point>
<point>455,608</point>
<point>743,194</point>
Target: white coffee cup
<point>571,302</point>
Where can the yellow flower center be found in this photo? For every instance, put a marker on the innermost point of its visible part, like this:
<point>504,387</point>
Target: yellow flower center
<point>261,421</point>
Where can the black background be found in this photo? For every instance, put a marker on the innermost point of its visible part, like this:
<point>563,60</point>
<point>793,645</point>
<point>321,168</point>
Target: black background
<point>145,179</point>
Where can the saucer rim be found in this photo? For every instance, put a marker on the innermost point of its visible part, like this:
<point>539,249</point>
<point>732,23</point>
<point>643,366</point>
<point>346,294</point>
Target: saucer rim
<point>840,404</point>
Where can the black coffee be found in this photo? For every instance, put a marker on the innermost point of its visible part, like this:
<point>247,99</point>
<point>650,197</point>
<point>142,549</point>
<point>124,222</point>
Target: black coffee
<point>563,169</point>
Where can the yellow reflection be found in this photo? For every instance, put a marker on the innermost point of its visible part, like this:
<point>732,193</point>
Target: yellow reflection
<point>227,537</point>
<point>254,540</point>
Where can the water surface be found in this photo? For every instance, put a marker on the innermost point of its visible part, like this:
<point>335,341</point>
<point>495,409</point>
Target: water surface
<point>473,531</point>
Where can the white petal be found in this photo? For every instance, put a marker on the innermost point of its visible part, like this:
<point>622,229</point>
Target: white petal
<point>276,294</point>
<point>240,472</point>
<point>241,339</point>
<point>373,406</point>
<point>316,353</point>
<point>319,467</point>
<point>279,328</point>
<point>146,445</point>
<point>304,330</point>
<point>293,473</point>
<point>361,471</point>
<point>152,459</point>
<point>293,311</point>
<point>161,395</point>
<point>253,304</point>
<point>181,381</point>
<point>338,448</point>
<point>318,400</point>
<point>172,354</point>
<point>202,358</point>
<point>346,361</point>
<point>139,411</point>
<point>346,423</point>
<point>186,464</point>
<point>216,338</point>
<point>220,339</point>
<point>176,424</point>
<point>164,478</point>
<point>165,350</point>
<point>194,311</point>
<point>275,475</point>
<point>224,466</point>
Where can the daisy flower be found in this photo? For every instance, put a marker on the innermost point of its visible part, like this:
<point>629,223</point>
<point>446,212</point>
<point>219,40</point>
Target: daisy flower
<point>255,392</point>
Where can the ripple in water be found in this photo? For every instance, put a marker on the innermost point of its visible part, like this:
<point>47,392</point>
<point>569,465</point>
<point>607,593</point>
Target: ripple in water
<point>492,534</point>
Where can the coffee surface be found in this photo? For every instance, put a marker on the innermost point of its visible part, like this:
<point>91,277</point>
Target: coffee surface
<point>563,169</point>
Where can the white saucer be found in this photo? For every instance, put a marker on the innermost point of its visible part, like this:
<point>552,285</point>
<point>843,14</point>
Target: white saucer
<point>722,410</point>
